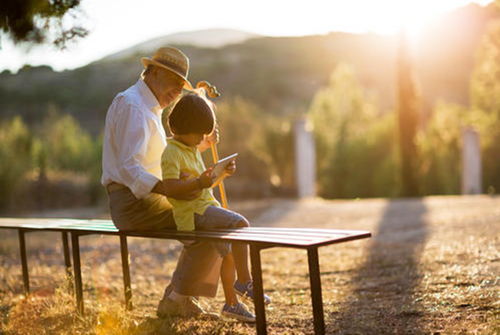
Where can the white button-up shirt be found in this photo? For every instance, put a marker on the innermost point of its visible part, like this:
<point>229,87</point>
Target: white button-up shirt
<point>134,140</point>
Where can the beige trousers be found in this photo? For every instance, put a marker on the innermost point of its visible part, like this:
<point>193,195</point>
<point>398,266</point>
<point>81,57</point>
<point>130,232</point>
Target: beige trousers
<point>198,268</point>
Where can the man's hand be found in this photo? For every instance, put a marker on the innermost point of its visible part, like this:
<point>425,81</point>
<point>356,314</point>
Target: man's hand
<point>208,140</point>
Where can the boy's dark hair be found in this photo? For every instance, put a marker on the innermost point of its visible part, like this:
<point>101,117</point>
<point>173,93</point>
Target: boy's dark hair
<point>191,114</point>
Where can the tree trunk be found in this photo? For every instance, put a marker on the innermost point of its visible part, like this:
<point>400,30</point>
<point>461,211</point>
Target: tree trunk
<point>408,119</point>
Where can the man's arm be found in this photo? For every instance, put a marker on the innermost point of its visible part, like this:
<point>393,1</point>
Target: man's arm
<point>132,133</point>
<point>160,188</point>
<point>164,188</point>
<point>184,189</point>
<point>208,140</point>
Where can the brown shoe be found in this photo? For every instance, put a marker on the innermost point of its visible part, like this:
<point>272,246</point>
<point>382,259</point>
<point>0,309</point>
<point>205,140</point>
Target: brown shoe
<point>191,307</point>
<point>167,307</point>
<point>188,307</point>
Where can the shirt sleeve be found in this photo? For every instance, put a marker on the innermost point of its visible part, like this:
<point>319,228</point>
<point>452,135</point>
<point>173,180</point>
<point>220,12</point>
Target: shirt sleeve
<point>170,163</point>
<point>133,132</point>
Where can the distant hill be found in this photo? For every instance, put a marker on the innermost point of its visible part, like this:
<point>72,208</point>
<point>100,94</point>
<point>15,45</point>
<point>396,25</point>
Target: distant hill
<point>279,74</point>
<point>209,38</point>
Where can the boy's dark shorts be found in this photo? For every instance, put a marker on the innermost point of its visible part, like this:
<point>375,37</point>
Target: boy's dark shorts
<point>218,217</point>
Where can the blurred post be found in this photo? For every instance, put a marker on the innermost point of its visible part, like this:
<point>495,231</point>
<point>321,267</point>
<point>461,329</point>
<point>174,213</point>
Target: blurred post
<point>305,159</point>
<point>471,162</point>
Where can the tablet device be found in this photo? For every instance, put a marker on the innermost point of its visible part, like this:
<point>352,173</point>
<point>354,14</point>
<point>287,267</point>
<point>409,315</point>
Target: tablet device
<point>220,167</point>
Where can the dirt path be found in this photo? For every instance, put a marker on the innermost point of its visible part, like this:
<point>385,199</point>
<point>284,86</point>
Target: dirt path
<point>432,266</point>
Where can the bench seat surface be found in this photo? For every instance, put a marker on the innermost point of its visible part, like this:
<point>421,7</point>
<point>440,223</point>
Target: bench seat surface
<point>281,236</point>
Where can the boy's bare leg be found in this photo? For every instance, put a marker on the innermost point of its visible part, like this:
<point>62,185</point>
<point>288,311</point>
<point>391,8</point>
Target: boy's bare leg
<point>227,278</point>
<point>233,308</point>
<point>240,252</point>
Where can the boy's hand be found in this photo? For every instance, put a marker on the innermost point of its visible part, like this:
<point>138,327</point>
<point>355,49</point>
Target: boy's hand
<point>206,179</point>
<point>231,168</point>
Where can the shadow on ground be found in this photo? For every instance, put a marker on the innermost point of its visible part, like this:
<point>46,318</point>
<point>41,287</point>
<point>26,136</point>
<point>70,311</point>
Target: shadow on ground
<point>383,299</point>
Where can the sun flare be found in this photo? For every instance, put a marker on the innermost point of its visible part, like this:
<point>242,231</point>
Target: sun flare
<point>109,19</point>
<point>390,16</point>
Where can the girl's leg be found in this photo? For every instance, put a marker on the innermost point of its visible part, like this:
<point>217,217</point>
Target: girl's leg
<point>240,252</point>
<point>227,278</point>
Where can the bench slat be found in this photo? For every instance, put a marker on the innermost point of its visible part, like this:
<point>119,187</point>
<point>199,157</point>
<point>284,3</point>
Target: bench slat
<point>280,236</point>
<point>108,224</point>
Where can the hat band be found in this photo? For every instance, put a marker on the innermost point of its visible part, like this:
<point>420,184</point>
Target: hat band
<point>173,66</point>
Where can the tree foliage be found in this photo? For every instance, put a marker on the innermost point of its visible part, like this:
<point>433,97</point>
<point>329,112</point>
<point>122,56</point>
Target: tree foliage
<point>54,163</point>
<point>242,129</point>
<point>15,157</point>
<point>439,145</point>
<point>485,105</point>
<point>67,146</point>
<point>264,143</point>
<point>351,135</point>
<point>36,21</point>
<point>407,119</point>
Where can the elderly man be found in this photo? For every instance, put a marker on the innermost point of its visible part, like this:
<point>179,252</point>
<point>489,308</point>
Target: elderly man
<point>134,140</point>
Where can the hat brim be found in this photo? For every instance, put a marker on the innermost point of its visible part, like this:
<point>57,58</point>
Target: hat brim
<point>149,61</point>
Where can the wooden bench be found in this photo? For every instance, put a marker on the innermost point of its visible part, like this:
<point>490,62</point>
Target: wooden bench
<point>258,238</point>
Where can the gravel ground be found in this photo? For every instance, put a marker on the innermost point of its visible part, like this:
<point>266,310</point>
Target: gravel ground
<point>431,267</point>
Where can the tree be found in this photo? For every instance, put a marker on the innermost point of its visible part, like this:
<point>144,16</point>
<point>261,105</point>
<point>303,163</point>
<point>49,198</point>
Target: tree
<point>408,118</point>
<point>37,21</point>
<point>354,141</point>
<point>485,103</point>
<point>15,158</point>
<point>235,116</point>
<point>68,146</point>
<point>439,147</point>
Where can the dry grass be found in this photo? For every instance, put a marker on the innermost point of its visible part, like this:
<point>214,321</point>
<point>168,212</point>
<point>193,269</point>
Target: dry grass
<point>432,267</point>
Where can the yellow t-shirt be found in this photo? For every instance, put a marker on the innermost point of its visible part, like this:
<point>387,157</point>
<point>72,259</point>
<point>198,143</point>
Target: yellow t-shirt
<point>178,157</point>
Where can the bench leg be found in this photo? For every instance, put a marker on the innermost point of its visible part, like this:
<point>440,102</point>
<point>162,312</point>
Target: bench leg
<point>67,259</point>
<point>126,272</point>
<point>258,290</point>
<point>316,295</point>
<point>24,261</point>
<point>75,245</point>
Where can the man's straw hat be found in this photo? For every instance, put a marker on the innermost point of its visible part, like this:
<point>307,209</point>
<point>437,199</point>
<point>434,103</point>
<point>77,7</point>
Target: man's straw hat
<point>173,60</point>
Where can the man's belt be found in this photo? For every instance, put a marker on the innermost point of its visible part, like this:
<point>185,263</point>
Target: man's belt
<point>113,187</point>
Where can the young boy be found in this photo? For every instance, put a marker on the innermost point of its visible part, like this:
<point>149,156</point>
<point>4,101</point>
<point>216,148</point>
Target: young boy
<point>190,120</point>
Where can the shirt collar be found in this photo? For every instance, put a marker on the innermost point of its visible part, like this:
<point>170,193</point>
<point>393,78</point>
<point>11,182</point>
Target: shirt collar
<point>181,145</point>
<point>148,97</point>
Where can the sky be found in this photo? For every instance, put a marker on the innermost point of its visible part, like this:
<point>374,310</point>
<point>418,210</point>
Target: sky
<point>115,25</point>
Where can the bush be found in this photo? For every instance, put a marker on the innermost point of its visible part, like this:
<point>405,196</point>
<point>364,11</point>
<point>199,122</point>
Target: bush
<point>68,147</point>
<point>242,127</point>
<point>440,150</point>
<point>15,158</point>
<point>57,164</point>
